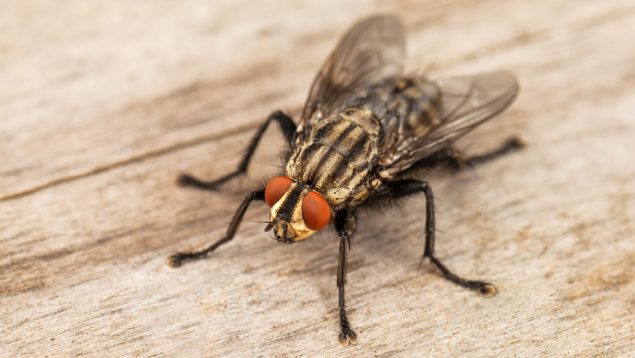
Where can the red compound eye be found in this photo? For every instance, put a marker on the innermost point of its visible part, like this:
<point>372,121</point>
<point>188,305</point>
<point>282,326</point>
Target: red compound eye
<point>275,189</point>
<point>316,211</point>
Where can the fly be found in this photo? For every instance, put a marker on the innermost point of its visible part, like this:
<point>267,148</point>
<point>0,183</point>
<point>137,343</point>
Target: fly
<point>365,131</point>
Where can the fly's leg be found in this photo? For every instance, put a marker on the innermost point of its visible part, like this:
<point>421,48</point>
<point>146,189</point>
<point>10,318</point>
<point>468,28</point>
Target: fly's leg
<point>345,225</point>
<point>407,187</point>
<point>177,259</point>
<point>457,161</point>
<point>288,129</point>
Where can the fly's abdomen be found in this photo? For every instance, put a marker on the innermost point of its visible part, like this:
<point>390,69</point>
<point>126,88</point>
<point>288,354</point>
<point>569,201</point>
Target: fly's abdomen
<point>413,101</point>
<point>338,154</point>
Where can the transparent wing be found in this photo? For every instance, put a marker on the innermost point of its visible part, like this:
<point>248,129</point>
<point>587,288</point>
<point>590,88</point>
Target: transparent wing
<point>465,103</point>
<point>372,50</point>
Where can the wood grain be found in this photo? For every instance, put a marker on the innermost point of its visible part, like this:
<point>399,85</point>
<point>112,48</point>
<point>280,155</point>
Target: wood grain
<point>102,105</point>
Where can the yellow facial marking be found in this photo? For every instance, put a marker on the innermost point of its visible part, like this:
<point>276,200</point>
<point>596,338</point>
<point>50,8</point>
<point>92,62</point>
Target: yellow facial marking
<point>296,228</point>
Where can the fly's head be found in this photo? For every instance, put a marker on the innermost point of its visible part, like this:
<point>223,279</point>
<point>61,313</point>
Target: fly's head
<point>296,212</point>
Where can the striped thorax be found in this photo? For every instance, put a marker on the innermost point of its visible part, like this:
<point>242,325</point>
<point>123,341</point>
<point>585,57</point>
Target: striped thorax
<point>331,167</point>
<point>336,156</point>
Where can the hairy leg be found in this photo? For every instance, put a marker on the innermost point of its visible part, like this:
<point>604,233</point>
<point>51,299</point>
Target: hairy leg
<point>407,187</point>
<point>511,145</point>
<point>177,259</point>
<point>288,129</point>
<point>457,160</point>
<point>345,226</point>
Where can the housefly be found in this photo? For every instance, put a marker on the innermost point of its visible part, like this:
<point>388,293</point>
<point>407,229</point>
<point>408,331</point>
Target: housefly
<point>365,131</point>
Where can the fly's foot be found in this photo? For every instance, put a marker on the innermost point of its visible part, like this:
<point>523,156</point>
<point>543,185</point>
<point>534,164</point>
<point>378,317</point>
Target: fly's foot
<point>484,288</point>
<point>487,289</point>
<point>179,258</point>
<point>513,143</point>
<point>347,335</point>
<point>188,181</point>
<point>175,260</point>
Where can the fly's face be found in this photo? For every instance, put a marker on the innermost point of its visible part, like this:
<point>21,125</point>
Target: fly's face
<point>296,212</point>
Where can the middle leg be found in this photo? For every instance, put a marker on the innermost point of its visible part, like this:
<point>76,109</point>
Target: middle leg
<point>407,187</point>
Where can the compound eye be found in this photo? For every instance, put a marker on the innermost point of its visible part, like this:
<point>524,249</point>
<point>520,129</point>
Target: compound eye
<point>276,187</point>
<point>316,211</point>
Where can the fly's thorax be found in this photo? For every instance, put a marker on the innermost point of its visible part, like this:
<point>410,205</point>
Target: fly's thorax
<point>296,213</point>
<point>338,155</point>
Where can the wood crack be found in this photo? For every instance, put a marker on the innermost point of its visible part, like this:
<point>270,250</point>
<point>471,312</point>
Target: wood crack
<point>132,160</point>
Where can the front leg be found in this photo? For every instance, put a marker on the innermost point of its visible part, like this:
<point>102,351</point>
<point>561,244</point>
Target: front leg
<point>407,187</point>
<point>288,129</point>
<point>177,259</point>
<point>345,226</point>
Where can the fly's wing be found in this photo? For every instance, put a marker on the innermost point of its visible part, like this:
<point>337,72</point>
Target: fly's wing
<point>465,103</point>
<point>372,50</point>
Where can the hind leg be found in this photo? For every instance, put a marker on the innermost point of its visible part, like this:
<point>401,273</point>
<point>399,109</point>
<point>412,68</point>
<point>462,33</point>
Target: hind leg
<point>457,160</point>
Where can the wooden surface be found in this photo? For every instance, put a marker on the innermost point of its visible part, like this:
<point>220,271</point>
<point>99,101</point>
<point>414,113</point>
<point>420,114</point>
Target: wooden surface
<point>103,104</point>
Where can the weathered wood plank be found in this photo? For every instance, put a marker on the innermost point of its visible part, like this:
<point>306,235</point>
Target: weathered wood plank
<point>99,115</point>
